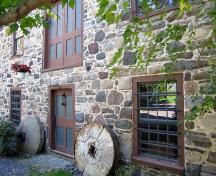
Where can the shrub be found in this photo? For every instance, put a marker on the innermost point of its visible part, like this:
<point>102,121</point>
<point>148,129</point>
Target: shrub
<point>7,138</point>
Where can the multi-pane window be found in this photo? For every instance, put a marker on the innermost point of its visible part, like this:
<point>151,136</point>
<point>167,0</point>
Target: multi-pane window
<point>18,44</point>
<point>15,106</point>
<point>158,115</point>
<point>155,6</point>
<point>64,37</point>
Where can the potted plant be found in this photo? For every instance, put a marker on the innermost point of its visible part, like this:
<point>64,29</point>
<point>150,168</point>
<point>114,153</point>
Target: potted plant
<point>21,70</point>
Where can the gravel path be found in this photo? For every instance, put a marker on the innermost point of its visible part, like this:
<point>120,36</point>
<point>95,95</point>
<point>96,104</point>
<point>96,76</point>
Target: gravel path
<point>10,167</point>
<point>41,163</point>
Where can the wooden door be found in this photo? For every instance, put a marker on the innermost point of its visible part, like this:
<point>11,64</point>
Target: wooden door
<point>64,120</point>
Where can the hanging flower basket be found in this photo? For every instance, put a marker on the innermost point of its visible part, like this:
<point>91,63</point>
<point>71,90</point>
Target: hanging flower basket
<point>21,75</point>
<point>21,70</point>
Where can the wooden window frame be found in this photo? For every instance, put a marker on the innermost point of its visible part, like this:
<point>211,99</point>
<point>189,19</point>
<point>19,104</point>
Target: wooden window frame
<point>15,89</point>
<point>78,59</point>
<point>15,39</point>
<point>51,120</point>
<point>152,162</point>
<point>153,13</point>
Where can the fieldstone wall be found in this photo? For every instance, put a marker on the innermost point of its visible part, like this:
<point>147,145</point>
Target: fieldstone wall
<point>109,101</point>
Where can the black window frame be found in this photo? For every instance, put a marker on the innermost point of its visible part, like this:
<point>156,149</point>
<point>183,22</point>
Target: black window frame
<point>15,100</point>
<point>159,163</point>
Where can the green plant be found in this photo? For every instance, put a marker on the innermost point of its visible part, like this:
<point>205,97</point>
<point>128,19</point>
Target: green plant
<point>7,138</point>
<point>125,170</point>
<point>51,173</point>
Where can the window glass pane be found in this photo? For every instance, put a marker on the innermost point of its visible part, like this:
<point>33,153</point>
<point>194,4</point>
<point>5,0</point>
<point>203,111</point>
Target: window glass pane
<point>15,110</point>
<point>69,48</point>
<point>59,50</point>
<point>60,136</point>
<point>69,19</point>
<point>69,138</point>
<point>78,45</point>
<point>78,14</point>
<point>59,19</point>
<point>52,27</point>
<point>69,107</point>
<point>59,108</point>
<point>52,52</point>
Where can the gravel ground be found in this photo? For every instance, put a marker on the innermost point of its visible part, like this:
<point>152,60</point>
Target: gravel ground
<point>41,163</point>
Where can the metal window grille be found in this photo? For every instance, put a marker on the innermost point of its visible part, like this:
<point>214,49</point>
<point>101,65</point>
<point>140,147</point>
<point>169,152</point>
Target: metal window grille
<point>154,6</point>
<point>15,106</point>
<point>157,120</point>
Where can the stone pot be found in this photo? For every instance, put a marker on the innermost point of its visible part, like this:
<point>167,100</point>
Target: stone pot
<point>21,75</point>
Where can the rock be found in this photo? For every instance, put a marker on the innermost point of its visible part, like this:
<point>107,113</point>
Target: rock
<point>82,99</point>
<point>126,113</point>
<point>103,75</point>
<point>192,169</point>
<point>89,92</point>
<point>189,125</point>
<point>206,168</point>
<point>175,46</point>
<point>107,84</point>
<point>95,108</point>
<point>99,119</point>
<point>123,124</point>
<point>107,110</point>
<point>101,96</point>
<point>108,46</point>
<point>101,56</point>
<point>187,76</point>
<point>95,85</point>
<point>200,75</point>
<point>193,157</point>
<point>213,134</point>
<point>99,36</point>
<point>125,84</point>
<point>115,98</point>
<point>93,48</point>
<point>198,139</point>
<point>212,157</point>
<point>172,16</point>
<point>111,116</point>
<point>80,117</point>
<point>127,103</point>
<point>158,25</point>
<point>88,118</point>
<point>209,121</point>
<point>129,58</point>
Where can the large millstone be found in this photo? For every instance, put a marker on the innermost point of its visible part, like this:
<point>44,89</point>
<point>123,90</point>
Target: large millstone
<point>96,150</point>
<point>30,136</point>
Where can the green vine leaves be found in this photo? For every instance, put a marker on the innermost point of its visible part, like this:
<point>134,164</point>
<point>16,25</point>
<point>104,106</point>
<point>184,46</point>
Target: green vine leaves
<point>171,42</point>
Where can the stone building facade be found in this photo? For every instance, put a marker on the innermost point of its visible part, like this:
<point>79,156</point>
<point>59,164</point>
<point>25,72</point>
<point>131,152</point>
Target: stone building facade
<point>109,101</point>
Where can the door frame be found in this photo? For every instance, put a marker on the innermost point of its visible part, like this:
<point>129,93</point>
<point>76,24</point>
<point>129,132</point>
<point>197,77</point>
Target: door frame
<point>51,120</point>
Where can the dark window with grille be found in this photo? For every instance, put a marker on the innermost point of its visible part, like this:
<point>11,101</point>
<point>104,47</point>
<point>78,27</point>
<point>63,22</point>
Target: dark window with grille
<point>15,109</point>
<point>63,39</point>
<point>156,7</point>
<point>18,44</point>
<point>158,119</point>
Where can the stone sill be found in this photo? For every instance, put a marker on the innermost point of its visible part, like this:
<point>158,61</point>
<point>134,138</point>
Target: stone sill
<point>159,164</point>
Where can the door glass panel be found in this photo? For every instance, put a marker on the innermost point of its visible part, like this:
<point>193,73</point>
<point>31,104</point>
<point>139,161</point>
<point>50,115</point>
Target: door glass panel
<point>78,14</point>
<point>59,50</point>
<point>52,52</point>
<point>52,30</point>
<point>69,19</point>
<point>59,19</point>
<point>78,45</point>
<point>69,49</point>
<point>69,107</point>
<point>69,138</point>
<point>59,108</point>
<point>60,136</point>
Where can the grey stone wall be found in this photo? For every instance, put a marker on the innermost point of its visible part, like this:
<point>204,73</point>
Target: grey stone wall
<point>104,100</point>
